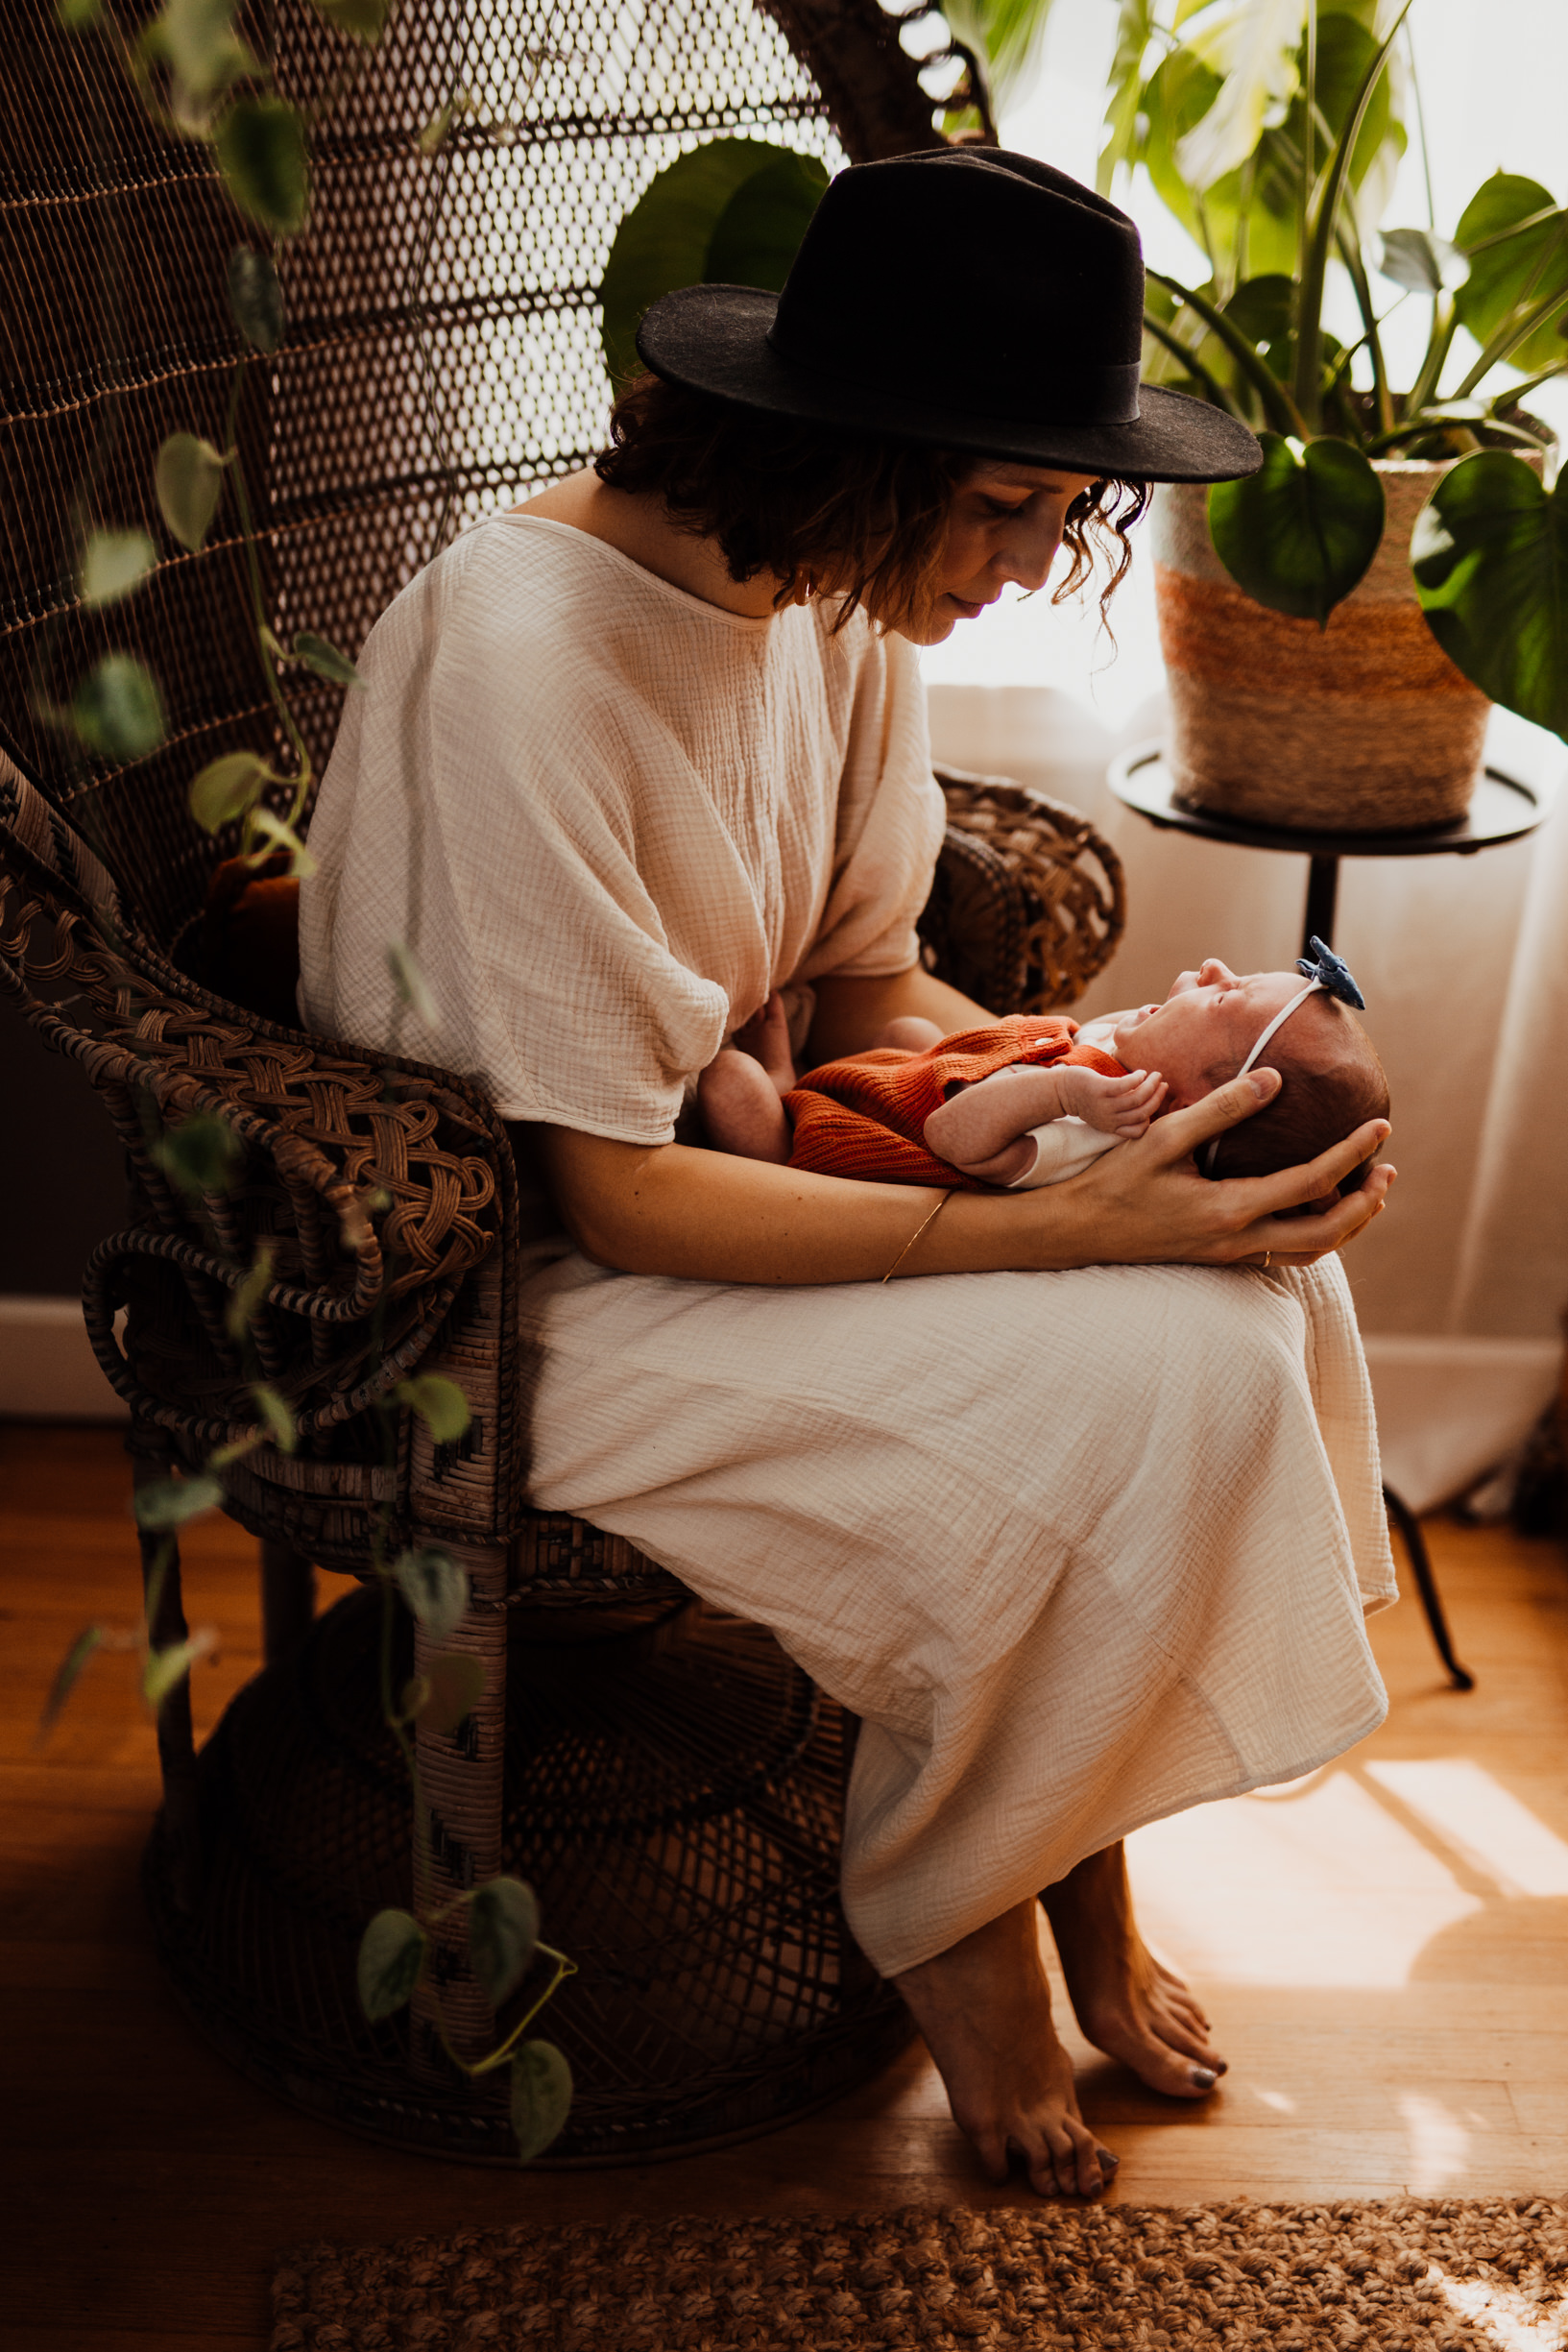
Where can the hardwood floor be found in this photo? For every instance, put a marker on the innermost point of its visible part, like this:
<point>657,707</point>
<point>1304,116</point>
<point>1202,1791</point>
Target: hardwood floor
<point>1384,1948</point>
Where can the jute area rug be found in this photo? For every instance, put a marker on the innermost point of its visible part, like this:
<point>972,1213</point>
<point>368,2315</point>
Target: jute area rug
<point>1467,2276</point>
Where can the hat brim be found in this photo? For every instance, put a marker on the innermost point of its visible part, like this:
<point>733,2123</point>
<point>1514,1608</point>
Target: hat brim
<point>714,339</point>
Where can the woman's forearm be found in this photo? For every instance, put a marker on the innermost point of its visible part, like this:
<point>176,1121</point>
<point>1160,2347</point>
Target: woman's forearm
<point>711,1217</point>
<point>666,1209</point>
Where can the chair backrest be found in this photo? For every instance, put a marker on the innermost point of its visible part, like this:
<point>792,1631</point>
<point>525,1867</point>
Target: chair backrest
<point>442,347</point>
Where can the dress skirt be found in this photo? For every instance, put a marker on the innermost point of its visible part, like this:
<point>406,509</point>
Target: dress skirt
<point>1080,1549</point>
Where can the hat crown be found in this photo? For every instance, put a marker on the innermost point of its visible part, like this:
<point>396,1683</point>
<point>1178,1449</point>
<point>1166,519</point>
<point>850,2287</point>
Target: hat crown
<point>987,278</point>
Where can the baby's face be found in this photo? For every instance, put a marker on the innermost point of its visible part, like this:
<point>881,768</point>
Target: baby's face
<point>1204,1031</point>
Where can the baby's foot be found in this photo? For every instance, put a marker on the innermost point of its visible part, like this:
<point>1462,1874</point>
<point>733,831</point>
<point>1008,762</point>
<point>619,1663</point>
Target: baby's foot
<point>766,1037</point>
<point>742,1109</point>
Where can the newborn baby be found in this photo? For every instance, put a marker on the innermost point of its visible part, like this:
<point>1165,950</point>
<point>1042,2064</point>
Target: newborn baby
<point>1035,1099</point>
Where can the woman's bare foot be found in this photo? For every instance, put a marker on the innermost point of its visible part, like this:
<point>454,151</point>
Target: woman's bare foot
<point>984,2008</point>
<point>1124,2002</point>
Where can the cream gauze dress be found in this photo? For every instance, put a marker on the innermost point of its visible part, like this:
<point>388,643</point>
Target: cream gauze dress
<point>1081,1549</point>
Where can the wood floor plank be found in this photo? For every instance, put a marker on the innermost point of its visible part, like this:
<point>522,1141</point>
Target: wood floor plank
<point>1390,1982</point>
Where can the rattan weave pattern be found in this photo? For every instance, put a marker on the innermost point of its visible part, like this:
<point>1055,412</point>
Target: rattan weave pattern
<point>440,353</point>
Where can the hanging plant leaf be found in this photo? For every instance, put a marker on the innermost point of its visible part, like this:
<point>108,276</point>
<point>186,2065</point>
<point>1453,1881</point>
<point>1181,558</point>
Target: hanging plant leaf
<point>435,1588</point>
<point>678,233</point>
<point>1490,556</point>
<point>88,1643</point>
<point>189,479</point>
<point>203,1154</point>
<point>256,298</point>
<point>117,709</point>
<point>365,20</point>
<point>324,659</point>
<point>503,1928</point>
<point>392,1953</point>
<point>1421,261</point>
<point>170,1502</point>
<point>1531,266</point>
<point>541,2097</point>
<point>447,1693</point>
<point>264,157</point>
<point>276,1418</point>
<point>439,1402</point>
<point>1301,532</point>
<point>226,787</point>
<point>113,563</point>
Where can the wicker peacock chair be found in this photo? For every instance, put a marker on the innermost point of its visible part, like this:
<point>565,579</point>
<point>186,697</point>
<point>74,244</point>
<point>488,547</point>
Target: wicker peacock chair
<point>668,1780</point>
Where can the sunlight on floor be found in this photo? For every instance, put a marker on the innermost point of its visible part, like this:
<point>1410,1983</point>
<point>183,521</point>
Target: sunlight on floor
<point>1512,2320</point>
<point>1439,2143</point>
<point>1500,1838</point>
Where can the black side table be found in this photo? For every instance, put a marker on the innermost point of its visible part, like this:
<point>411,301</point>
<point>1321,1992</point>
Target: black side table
<point>1502,809</point>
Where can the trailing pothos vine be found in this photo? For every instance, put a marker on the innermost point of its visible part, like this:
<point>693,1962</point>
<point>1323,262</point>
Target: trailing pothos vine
<point>199,82</point>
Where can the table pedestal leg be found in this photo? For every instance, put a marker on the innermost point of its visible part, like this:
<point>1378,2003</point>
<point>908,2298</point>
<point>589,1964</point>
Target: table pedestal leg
<point>1322,890</point>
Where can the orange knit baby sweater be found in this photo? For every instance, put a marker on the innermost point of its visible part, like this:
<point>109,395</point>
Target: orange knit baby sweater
<point>865,1116</point>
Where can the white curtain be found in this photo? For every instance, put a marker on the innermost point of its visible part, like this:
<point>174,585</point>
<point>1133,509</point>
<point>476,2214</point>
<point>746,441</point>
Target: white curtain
<point>1461,1284</point>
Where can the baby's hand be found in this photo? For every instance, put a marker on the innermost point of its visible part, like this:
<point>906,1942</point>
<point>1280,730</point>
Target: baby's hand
<point>1121,1106</point>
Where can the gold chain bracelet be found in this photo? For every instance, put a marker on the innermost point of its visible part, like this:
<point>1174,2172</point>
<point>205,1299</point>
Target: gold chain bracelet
<point>915,1236</point>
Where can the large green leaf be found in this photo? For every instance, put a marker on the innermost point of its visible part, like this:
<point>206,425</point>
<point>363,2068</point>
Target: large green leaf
<point>1533,265</point>
<point>1300,532</point>
<point>1490,557</point>
<point>679,233</point>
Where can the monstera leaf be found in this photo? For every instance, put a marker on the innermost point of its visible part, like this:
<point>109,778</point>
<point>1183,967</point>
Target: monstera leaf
<point>1528,268</point>
<point>731,213</point>
<point>1490,556</point>
<point>1298,534</point>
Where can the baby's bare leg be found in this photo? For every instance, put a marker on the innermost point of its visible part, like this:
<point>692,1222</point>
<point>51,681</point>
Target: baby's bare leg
<point>742,1109</point>
<point>910,1033</point>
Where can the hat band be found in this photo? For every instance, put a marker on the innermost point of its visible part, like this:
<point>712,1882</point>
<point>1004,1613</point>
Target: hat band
<point>1077,393</point>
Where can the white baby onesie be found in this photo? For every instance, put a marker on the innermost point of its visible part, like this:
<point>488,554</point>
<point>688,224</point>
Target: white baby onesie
<point>1065,1147</point>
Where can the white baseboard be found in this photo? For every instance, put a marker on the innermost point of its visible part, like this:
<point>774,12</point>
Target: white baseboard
<point>1450,1409</point>
<point>48,1372</point>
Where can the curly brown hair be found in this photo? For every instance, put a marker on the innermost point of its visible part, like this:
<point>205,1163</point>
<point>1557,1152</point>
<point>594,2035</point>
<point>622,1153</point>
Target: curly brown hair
<point>824,511</point>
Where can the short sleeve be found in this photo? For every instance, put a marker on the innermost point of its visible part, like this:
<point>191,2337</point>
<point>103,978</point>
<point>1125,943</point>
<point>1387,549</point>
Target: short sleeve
<point>542,949</point>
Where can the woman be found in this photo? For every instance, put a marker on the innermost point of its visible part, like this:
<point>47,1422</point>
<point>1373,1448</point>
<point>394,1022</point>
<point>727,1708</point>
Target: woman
<point>1080,1517</point>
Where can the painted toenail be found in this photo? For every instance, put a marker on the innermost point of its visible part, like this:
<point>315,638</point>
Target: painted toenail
<point>1205,2077</point>
<point>1107,2162</point>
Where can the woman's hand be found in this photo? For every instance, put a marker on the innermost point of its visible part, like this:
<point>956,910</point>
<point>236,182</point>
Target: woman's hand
<point>1147,1200</point>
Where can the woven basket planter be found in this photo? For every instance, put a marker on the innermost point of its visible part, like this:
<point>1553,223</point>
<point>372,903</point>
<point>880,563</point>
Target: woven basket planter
<point>1363,727</point>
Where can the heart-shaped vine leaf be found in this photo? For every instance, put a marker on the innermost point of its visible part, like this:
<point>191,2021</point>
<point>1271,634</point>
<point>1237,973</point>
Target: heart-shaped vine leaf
<point>264,156</point>
<point>226,787</point>
<point>1298,534</point>
<point>188,477</point>
<point>503,1928</point>
<point>392,1954</point>
<point>541,2097</point>
<point>435,1588</point>
<point>729,213</point>
<point>1490,556</point>
<point>117,709</point>
<point>256,298</point>
<point>113,563</point>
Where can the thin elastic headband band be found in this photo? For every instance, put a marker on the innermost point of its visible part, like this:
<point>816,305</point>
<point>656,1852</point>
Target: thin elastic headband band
<point>1280,1018</point>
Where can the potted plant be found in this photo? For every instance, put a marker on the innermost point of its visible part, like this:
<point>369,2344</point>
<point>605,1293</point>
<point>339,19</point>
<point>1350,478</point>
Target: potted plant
<point>1336,627</point>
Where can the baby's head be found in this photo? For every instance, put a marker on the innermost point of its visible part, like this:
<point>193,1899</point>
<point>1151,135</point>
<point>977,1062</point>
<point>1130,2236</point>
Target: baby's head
<point>1206,1027</point>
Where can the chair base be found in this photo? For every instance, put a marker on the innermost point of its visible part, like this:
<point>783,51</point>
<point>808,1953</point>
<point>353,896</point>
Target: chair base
<point>674,1796</point>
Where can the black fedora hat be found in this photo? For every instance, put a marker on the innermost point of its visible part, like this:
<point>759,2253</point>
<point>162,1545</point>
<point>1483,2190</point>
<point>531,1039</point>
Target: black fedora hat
<point>969,297</point>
